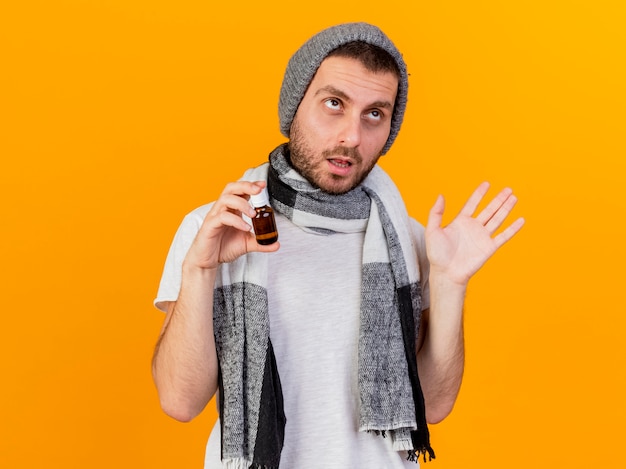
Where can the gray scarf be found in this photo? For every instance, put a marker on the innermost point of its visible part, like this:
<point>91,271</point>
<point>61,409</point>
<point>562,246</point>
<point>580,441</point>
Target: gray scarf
<point>391,399</point>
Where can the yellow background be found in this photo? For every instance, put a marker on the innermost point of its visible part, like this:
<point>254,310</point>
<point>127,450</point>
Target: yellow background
<point>118,117</point>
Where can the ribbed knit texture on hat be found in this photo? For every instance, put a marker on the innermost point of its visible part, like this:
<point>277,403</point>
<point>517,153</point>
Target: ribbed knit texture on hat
<point>305,62</point>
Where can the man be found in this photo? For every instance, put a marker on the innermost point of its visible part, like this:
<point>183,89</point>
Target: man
<point>334,347</point>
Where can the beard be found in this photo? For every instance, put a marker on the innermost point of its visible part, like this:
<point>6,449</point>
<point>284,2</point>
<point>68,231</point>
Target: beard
<point>308,164</point>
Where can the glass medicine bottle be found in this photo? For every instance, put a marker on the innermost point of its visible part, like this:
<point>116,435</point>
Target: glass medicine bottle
<point>263,222</point>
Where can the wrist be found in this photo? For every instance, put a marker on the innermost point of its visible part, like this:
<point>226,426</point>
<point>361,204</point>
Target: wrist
<point>442,279</point>
<point>192,270</point>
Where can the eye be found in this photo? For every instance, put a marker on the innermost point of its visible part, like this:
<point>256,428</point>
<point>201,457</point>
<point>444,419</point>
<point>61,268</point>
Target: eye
<point>375,114</point>
<point>332,103</point>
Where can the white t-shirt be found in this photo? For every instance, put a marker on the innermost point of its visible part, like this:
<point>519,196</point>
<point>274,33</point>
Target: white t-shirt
<point>314,298</point>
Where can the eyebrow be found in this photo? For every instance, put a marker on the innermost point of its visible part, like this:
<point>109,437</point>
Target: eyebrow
<point>340,94</point>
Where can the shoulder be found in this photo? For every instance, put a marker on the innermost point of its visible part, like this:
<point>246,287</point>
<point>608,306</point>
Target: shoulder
<point>197,215</point>
<point>417,229</point>
<point>192,221</point>
<point>417,233</point>
<point>189,227</point>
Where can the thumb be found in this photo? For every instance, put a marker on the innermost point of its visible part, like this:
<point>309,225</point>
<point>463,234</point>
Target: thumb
<point>436,212</point>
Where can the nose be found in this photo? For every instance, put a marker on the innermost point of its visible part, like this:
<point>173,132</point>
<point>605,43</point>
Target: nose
<point>350,131</point>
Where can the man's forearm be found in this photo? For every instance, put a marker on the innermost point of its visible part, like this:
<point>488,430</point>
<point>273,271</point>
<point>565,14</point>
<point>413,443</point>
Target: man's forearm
<point>184,365</point>
<point>441,356</point>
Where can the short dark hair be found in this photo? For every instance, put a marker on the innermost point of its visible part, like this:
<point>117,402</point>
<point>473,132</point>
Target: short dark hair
<point>374,58</point>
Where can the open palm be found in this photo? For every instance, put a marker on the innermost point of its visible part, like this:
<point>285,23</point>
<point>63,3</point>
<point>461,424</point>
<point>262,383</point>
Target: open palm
<point>461,248</point>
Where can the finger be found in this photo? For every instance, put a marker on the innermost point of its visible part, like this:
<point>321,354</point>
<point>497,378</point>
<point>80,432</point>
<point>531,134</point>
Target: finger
<point>501,214</point>
<point>244,188</point>
<point>237,204</point>
<point>435,215</point>
<point>496,204</point>
<point>226,218</point>
<point>509,232</point>
<point>472,203</point>
<point>253,246</point>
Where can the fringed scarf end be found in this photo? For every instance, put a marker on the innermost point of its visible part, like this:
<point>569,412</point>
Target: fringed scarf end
<point>413,455</point>
<point>235,463</point>
<point>242,463</point>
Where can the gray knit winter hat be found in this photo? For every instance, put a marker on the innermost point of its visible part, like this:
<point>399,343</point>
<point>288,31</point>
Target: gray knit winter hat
<point>305,62</point>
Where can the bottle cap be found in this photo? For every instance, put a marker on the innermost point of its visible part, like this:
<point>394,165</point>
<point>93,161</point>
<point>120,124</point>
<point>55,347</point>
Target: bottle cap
<point>261,199</point>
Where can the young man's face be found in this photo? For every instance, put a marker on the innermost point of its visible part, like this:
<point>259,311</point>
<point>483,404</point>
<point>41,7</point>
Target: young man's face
<point>342,124</point>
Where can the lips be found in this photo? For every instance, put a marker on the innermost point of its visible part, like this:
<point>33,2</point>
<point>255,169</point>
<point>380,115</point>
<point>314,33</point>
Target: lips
<point>340,167</point>
<point>340,163</point>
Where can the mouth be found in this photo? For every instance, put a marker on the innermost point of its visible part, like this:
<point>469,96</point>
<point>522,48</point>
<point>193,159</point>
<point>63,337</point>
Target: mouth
<point>340,163</point>
<point>340,166</point>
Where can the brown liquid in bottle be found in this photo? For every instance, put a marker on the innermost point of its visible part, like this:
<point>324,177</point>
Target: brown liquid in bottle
<point>264,222</point>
